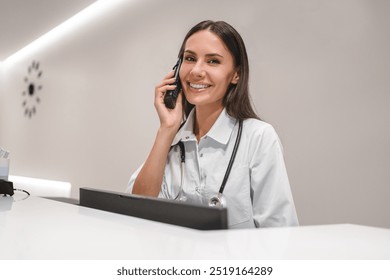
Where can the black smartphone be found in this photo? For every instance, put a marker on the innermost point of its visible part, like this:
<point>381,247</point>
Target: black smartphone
<point>171,95</point>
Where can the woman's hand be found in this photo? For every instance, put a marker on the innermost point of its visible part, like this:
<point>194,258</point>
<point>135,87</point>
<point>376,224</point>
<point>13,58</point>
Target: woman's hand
<point>169,118</point>
<point>149,179</point>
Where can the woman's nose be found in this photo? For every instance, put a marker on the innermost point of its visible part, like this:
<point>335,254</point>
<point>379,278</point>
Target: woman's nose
<point>197,70</point>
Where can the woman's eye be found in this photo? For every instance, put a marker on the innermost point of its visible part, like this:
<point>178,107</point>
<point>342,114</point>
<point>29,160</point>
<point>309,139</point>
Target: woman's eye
<point>189,58</point>
<point>214,61</point>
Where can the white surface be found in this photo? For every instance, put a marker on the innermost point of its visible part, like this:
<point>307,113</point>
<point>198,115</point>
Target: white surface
<point>38,228</point>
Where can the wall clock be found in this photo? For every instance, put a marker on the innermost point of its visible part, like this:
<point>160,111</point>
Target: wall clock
<point>32,88</point>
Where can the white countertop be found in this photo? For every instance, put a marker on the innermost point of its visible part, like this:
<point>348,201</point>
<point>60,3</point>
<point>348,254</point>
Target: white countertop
<point>38,228</point>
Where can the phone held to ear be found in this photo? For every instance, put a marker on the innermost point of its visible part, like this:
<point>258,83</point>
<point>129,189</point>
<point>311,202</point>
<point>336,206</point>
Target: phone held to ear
<point>171,95</point>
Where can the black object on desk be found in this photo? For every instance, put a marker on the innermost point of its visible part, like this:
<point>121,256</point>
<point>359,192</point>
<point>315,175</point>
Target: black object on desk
<point>6,187</point>
<point>156,209</point>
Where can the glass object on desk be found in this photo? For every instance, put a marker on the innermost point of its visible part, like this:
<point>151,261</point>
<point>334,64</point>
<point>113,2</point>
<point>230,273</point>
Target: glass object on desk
<point>4,168</point>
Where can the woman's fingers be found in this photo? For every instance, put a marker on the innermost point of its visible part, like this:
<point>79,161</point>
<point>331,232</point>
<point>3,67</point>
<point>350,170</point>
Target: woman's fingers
<point>168,79</point>
<point>166,84</point>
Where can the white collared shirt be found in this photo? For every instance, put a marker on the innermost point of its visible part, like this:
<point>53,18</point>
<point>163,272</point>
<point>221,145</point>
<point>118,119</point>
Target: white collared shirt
<point>257,191</point>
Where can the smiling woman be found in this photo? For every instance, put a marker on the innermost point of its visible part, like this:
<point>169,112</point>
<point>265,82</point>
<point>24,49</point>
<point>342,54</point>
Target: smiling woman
<point>228,156</point>
<point>225,38</point>
<point>207,71</point>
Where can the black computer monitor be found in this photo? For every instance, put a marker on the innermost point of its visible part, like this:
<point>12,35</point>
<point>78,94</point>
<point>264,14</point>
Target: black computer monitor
<point>156,209</point>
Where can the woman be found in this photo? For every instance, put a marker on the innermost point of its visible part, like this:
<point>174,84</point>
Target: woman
<point>214,100</point>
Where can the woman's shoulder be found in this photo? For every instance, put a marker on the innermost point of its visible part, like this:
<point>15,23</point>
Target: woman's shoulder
<point>257,125</point>
<point>259,129</point>
<point>261,136</point>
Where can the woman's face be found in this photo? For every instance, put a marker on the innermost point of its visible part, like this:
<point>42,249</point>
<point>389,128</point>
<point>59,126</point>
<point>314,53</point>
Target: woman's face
<point>207,69</point>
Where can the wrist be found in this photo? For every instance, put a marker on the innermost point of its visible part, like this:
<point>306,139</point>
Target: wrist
<point>167,132</point>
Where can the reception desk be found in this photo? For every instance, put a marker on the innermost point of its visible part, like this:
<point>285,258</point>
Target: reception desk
<point>39,228</point>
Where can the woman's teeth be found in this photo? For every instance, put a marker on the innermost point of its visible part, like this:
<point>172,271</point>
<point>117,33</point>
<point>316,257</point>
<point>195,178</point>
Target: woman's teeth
<point>198,86</point>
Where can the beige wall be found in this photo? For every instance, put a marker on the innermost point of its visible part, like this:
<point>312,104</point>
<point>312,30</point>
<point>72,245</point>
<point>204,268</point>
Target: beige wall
<point>319,74</point>
<point>1,83</point>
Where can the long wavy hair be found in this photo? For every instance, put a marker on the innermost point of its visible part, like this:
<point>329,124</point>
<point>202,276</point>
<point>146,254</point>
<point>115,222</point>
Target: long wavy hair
<point>236,100</point>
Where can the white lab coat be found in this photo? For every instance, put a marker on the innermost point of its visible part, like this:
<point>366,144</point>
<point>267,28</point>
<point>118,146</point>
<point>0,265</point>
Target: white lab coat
<point>257,193</point>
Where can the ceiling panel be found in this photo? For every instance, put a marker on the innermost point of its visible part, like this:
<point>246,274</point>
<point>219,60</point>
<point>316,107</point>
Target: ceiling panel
<point>23,21</point>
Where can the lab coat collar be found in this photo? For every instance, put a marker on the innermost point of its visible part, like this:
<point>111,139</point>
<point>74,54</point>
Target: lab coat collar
<point>220,131</point>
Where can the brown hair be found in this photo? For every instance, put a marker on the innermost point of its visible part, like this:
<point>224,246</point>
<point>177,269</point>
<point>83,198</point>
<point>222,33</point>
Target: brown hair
<point>237,100</point>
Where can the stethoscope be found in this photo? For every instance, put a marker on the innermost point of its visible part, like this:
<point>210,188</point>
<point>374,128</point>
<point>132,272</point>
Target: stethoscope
<point>217,200</point>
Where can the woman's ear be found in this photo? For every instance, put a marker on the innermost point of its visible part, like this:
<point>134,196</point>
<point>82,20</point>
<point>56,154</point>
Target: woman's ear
<point>235,79</point>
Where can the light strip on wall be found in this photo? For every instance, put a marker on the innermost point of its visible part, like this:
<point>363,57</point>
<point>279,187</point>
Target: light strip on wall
<point>41,187</point>
<point>91,12</point>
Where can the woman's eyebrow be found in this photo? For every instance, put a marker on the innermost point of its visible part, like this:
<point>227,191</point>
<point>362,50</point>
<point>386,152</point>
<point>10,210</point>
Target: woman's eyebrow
<point>207,55</point>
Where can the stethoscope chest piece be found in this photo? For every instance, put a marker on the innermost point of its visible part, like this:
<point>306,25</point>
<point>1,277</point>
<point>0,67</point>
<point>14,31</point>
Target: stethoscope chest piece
<point>217,201</point>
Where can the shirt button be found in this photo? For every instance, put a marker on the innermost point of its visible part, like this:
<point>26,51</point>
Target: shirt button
<point>197,189</point>
<point>201,155</point>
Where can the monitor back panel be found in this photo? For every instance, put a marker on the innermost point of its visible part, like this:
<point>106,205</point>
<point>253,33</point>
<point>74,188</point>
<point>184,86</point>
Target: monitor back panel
<point>156,209</point>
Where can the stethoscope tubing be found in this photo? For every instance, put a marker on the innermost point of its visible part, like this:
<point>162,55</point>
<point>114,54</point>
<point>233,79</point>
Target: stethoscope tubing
<point>232,158</point>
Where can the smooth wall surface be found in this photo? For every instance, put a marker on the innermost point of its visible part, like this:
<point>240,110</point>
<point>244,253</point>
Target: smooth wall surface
<point>319,74</point>
<point>1,86</point>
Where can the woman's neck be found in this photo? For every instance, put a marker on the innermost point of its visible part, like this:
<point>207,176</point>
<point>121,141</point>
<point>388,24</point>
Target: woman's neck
<point>205,118</point>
